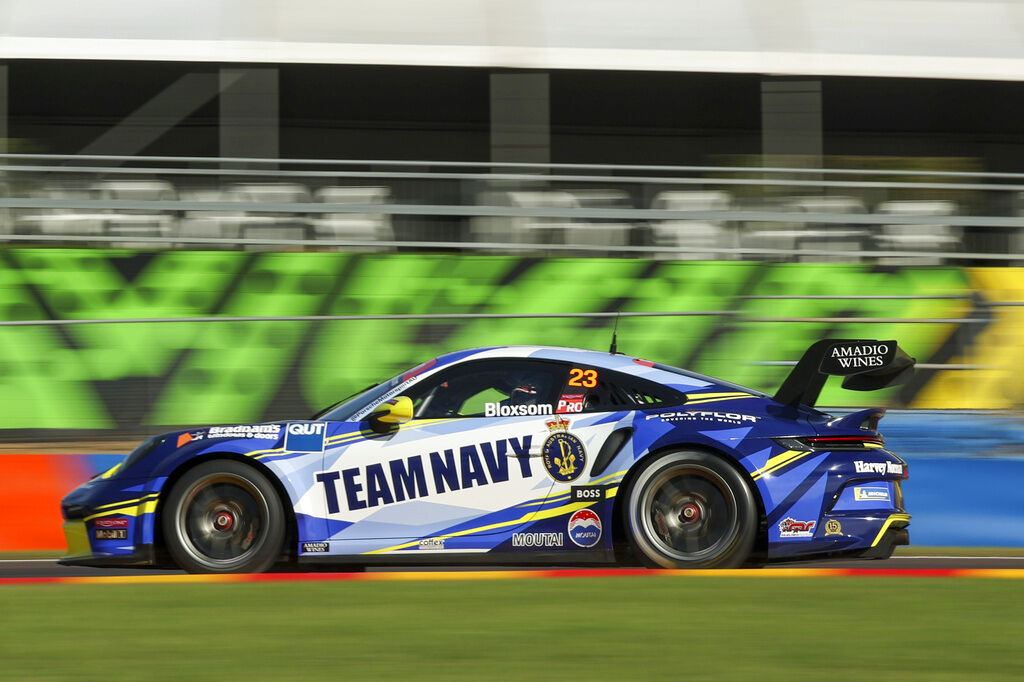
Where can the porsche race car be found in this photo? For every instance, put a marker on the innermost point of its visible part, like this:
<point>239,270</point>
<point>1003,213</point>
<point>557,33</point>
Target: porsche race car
<point>519,455</point>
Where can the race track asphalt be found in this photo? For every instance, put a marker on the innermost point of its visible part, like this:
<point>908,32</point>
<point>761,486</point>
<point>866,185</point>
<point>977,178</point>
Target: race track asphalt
<point>49,568</point>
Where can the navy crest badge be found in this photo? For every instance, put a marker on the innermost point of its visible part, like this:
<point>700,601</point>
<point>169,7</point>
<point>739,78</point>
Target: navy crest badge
<point>563,453</point>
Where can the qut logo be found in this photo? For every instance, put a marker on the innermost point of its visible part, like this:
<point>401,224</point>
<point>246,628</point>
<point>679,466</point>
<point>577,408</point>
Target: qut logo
<point>307,437</point>
<point>306,429</point>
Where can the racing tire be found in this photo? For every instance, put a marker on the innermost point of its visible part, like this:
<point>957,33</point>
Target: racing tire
<point>224,517</point>
<point>690,509</point>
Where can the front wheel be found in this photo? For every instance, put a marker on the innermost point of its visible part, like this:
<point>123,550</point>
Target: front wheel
<point>691,510</point>
<point>224,517</point>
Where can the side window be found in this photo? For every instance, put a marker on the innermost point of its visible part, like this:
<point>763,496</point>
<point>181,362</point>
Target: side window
<point>490,388</point>
<point>590,389</point>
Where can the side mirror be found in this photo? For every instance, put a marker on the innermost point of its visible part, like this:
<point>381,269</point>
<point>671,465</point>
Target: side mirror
<point>390,412</point>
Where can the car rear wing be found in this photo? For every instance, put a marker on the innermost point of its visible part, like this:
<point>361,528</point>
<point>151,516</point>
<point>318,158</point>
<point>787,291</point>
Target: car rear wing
<point>867,365</point>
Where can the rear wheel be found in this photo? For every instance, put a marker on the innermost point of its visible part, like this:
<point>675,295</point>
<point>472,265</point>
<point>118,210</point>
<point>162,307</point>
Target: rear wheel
<point>691,510</point>
<point>224,517</point>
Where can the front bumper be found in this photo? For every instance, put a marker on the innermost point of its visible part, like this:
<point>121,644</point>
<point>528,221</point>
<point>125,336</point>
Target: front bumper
<point>110,522</point>
<point>81,552</point>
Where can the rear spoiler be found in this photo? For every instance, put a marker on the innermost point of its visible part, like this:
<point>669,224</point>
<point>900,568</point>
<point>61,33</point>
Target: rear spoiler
<point>867,365</point>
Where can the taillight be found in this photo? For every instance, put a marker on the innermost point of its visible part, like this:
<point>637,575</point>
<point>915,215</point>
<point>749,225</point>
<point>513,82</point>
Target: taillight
<point>832,442</point>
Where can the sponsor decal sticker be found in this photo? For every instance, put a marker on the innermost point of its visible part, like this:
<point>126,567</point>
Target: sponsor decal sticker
<point>186,438</point>
<point>791,528</point>
<point>587,493</point>
<point>111,533</point>
<point>316,547</point>
<point>307,437</point>
<point>499,410</point>
<point>538,539</point>
<point>370,409</point>
<point>110,529</point>
<point>871,494</point>
<point>585,528</point>
<point>418,476</point>
<point>570,403</point>
<point>734,418</point>
<point>111,523</point>
<point>881,468</point>
<point>432,543</point>
<point>833,527</point>
<point>266,431</point>
<point>849,358</point>
<point>563,453</point>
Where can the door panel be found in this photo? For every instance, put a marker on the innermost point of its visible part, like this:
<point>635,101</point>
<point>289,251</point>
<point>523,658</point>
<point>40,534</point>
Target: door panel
<point>429,476</point>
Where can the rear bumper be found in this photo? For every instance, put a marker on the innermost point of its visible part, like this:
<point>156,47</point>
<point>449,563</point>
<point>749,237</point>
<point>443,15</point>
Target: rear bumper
<point>868,535</point>
<point>893,534</point>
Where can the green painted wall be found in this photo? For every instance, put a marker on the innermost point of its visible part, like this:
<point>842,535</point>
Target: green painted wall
<point>132,377</point>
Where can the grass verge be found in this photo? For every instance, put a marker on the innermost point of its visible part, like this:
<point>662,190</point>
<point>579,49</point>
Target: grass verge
<point>585,628</point>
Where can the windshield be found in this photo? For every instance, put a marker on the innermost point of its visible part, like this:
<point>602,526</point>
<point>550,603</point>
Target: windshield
<point>351,407</point>
<point>344,411</point>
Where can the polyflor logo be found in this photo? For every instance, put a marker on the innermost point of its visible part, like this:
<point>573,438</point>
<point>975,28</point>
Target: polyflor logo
<point>111,523</point>
<point>585,528</point>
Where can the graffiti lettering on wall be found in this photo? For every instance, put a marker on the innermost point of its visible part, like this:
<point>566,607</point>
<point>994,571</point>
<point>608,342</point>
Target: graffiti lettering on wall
<point>133,376</point>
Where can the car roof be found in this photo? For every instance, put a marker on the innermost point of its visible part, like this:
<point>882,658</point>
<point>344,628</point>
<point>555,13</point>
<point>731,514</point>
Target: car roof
<point>591,358</point>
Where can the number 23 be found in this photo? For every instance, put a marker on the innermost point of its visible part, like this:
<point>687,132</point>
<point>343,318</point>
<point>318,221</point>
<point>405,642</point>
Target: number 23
<point>587,378</point>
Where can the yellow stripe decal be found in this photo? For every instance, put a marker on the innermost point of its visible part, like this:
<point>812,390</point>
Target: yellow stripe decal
<point>144,507</point>
<point>531,516</point>
<point>349,438</point>
<point>893,518</point>
<point>610,478</point>
<point>717,400</point>
<point>124,502</point>
<point>779,461</point>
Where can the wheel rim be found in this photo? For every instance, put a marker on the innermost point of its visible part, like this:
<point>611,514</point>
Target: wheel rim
<point>221,520</point>
<point>689,512</point>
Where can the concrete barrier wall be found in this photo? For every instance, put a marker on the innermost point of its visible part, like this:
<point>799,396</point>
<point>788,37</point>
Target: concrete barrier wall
<point>136,378</point>
<point>31,488</point>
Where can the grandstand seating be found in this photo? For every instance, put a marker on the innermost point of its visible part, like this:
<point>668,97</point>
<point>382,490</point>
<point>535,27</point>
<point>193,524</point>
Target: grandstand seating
<point>707,239</point>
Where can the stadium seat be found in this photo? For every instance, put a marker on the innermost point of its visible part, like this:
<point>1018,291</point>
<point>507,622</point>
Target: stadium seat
<point>70,222</point>
<point>835,238</point>
<point>524,229</point>
<point>356,226</point>
<point>697,233</point>
<point>209,224</point>
<point>136,190</point>
<point>282,225</point>
<point>793,236</point>
<point>137,222</point>
<point>597,231</point>
<point>929,238</point>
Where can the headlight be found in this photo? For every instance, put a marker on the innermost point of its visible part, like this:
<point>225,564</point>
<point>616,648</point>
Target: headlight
<point>145,447</point>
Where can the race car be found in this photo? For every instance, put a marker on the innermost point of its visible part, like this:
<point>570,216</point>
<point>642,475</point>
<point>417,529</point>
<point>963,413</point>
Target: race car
<point>518,455</point>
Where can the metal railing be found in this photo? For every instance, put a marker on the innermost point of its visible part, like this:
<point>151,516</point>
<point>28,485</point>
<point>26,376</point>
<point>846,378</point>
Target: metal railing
<point>725,212</point>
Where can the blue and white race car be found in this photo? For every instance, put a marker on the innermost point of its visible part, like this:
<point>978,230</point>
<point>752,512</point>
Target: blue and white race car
<point>517,455</point>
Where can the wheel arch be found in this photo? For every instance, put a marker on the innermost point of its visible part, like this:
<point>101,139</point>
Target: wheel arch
<point>291,526</point>
<point>619,535</point>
